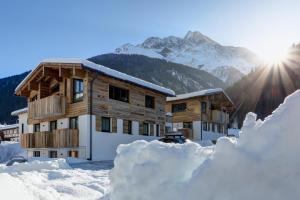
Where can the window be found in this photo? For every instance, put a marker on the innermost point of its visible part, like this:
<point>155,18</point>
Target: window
<point>129,127</point>
<point>145,129</point>
<point>204,124</point>
<point>208,126</point>
<point>119,94</point>
<point>149,101</point>
<point>55,88</point>
<point>52,154</point>
<point>73,123</point>
<point>219,128</point>
<point>203,107</point>
<point>188,125</point>
<point>77,90</point>
<point>22,128</point>
<point>157,130</point>
<point>73,154</point>
<point>213,127</point>
<point>181,107</point>
<point>36,128</point>
<point>53,125</point>
<point>105,124</point>
<point>36,154</point>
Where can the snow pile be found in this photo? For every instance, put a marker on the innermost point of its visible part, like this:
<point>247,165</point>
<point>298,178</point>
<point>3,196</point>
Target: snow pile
<point>262,164</point>
<point>10,149</point>
<point>49,180</point>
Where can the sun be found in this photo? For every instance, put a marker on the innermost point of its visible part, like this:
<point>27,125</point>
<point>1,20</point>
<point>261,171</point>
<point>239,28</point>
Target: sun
<point>275,57</point>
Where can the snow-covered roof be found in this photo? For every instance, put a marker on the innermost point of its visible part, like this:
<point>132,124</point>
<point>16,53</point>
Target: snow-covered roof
<point>5,127</point>
<point>198,94</point>
<point>20,111</point>
<point>106,71</point>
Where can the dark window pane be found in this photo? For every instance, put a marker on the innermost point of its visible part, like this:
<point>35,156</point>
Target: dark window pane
<point>203,107</point>
<point>129,127</point>
<point>145,129</point>
<point>188,125</point>
<point>181,107</point>
<point>36,128</point>
<point>105,124</point>
<point>73,123</point>
<point>119,94</point>
<point>149,101</point>
<point>53,125</point>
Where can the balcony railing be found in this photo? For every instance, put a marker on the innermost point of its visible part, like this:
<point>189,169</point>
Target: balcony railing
<point>220,117</point>
<point>51,106</point>
<point>62,138</point>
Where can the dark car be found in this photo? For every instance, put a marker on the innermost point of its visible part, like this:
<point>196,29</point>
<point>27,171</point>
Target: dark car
<point>176,138</point>
<point>16,159</point>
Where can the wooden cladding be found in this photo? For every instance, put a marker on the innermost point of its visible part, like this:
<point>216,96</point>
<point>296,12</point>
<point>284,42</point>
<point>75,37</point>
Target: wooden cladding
<point>62,138</point>
<point>220,117</point>
<point>47,107</point>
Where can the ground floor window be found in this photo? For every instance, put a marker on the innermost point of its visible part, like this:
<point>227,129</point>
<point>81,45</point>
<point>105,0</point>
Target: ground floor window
<point>188,125</point>
<point>36,154</point>
<point>52,154</point>
<point>158,130</point>
<point>73,154</point>
<point>105,124</point>
<point>145,129</point>
<point>204,124</point>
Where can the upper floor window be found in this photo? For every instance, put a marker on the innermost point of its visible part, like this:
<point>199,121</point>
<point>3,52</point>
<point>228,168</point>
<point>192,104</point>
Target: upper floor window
<point>149,101</point>
<point>53,125</point>
<point>73,123</point>
<point>203,107</point>
<point>119,94</point>
<point>77,90</point>
<point>181,107</point>
<point>36,128</point>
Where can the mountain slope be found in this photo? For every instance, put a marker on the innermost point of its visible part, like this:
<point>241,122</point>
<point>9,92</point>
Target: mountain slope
<point>178,77</point>
<point>198,51</point>
<point>264,89</point>
<point>8,101</point>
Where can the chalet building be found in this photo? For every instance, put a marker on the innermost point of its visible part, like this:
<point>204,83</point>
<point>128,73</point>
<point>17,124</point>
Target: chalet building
<point>22,115</point>
<point>202,115</point>
<point>9,132</point>
<point>80,109</point>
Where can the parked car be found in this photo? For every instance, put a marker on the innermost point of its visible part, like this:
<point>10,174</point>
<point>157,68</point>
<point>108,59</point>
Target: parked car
<point>16,159</point>
<point>176,138</point>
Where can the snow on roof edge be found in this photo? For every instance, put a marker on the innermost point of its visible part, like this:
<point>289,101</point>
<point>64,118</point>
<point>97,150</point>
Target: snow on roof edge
<point>17,112</point>
<point>106,71</point>
<point>5,127</point>
<point>199,93</point>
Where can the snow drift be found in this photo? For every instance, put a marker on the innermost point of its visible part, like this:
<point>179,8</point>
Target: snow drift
<point>10,149</point>
<point>262,164</point>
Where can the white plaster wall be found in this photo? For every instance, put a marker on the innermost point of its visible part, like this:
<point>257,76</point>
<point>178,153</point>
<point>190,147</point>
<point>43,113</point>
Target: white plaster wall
<point>135,128</point>
<point>120,126</point>
<point>197,130</point>
<point>44,126</point>
<point>23,120</point>
<point>63,123</point>
<point>104,145</point>
<point>30,128</point>
<point>84,133</point>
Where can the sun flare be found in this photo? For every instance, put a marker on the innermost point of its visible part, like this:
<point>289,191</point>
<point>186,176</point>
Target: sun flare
<point>275,57</point>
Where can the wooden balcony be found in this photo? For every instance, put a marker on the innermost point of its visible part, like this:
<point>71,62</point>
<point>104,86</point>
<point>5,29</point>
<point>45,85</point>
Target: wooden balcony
<point>51,106</point>
<point>62,138</point>
<point>220,117</point>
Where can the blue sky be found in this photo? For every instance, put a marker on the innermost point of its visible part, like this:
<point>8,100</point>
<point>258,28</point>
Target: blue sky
<point>33,30</point>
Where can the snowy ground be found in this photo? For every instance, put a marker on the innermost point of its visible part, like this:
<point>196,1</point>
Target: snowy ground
<point>54,179</point>
<point>10,149</point>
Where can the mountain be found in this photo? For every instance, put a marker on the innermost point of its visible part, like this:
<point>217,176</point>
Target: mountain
<point>8,101</point>
<point>262,90</point>
<point>228,63</point>
<point>178,77</point>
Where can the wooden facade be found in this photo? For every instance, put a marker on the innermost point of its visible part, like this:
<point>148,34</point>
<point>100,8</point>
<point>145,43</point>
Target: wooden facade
<point>218,107</point>
<point>49,90</point>
<point>63,138</point>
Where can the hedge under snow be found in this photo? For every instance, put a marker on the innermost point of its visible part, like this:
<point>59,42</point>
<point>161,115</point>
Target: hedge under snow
<point>262,164</point>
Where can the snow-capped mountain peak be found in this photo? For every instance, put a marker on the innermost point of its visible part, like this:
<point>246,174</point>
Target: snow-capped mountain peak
<point>198,51</point>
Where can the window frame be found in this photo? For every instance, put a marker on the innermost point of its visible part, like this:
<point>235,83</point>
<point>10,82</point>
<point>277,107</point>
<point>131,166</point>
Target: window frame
<point>115,93</point>
<point>109,125</point>
<point>50,125</point>
<point>79,92</point>
<point>182,107</point>
<point>76,122</point>
<point>150,104</point>
<point>147,132</point>
<point>203,107</point>
<point>54,152</point>
<point>157,130</point>
<point>129,127</point>
<point>35,126</point>
<point>36,154</point>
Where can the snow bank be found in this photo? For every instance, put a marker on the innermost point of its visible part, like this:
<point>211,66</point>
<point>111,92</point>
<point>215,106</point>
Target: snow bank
<point>10,149</point>
<point>262,164</point>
